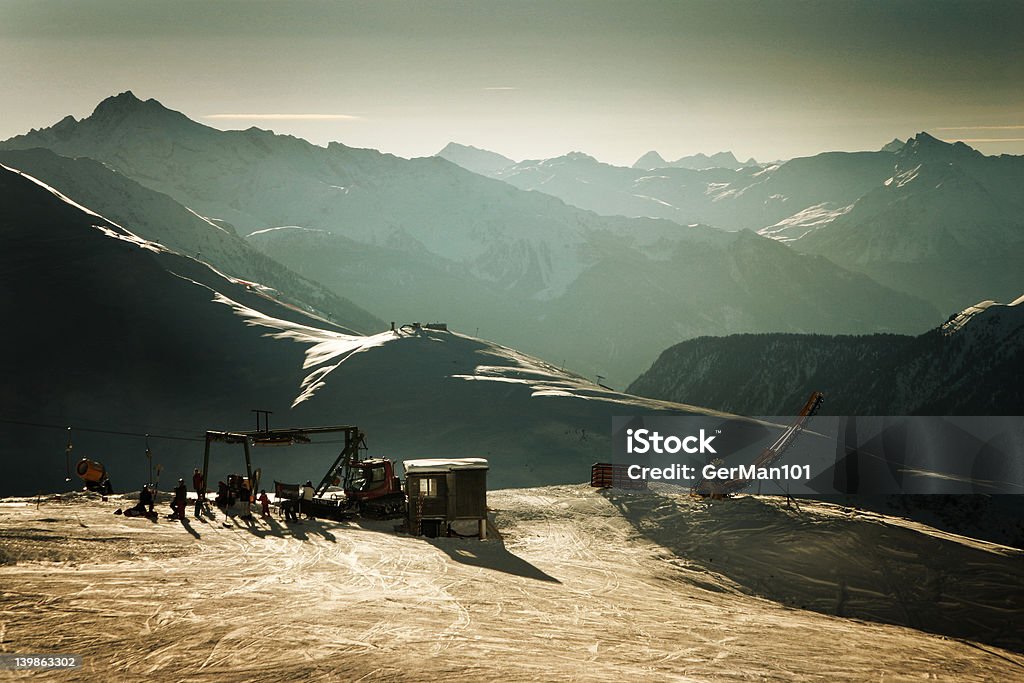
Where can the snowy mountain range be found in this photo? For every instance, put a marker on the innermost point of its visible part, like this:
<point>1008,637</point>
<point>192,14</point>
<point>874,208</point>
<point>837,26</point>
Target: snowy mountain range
<point>752,198</point>
<point>946,225</point>
<point>936,220</point>
<point>652,160</point>
<point>424,239</point>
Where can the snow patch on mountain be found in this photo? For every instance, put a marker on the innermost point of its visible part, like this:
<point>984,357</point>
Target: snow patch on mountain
<point>131,239</point>
<point>296,228</point>
<point>206,220</point>
<point>327,349</point>
<point>903,178</point>
<point>804,222</point>
<point>55,192</point>
<point>108,230</point>
<point>961,319</point>
<point>544,379</point>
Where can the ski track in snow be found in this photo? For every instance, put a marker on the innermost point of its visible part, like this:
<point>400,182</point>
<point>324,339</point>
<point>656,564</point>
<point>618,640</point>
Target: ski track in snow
<point>574,591</point>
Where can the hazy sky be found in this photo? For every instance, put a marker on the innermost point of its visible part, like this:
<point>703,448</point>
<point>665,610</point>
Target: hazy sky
<point>770,79</point>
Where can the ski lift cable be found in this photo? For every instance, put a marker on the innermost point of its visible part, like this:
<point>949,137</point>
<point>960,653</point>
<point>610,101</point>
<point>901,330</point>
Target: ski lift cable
<point>91,430</point>
<point>143,435</point>
<point>54,419</point>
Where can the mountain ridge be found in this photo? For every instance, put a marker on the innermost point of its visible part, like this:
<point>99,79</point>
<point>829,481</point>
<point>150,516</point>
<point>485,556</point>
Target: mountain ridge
<point>700,161</point>
<point>945,225</point>
<point>527,254</point>
<point>474,159</point>
<point>959,368</point>
<point>157,217</point>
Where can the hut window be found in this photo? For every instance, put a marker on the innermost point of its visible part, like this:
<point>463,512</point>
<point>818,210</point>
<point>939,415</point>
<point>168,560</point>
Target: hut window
<point>428,487</point>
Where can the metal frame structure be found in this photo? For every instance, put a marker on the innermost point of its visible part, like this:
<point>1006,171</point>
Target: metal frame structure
<point>768,455</point>
<point>286,437</point>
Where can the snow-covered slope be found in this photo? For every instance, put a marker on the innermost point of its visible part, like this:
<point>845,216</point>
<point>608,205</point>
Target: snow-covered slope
<point>107,330</point>
<point>157,217</point>
<point>581,586</point>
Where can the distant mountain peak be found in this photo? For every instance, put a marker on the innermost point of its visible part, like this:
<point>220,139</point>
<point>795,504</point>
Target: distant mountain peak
<point>126,101</point>
<point>893,145</point>
<point>650,160</point>
<point>924,138</point>
<point>926,144</point>
<point>459,147</point>
<point>126,106</point>
<point>725,158</point>
<point>697,161</point>
<point>474,159</point>
<point>578,156</point>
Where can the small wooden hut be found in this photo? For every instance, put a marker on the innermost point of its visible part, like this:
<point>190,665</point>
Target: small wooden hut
<point>444,491</point>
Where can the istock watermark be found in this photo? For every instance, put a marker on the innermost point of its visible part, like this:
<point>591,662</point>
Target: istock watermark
<point>815,455</point>
<point>644,441</point>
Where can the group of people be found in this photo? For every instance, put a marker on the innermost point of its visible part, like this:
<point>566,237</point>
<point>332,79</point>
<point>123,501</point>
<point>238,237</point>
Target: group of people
<point>292,508</point>
<point>225,498</point>
<point>180,500</point>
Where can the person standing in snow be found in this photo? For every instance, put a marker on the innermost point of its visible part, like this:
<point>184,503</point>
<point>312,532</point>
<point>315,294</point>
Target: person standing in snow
<point>180,497</point>
<point>221,500</point>
<point>265,502</point>
<point>146,501</point>
<point>245,499</point>
<point>307,499</point>
<point>199,484</point>
<point>288,508</point>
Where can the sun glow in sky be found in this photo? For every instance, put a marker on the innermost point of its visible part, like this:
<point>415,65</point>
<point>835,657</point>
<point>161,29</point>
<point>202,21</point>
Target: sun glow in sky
<point>536,79</point>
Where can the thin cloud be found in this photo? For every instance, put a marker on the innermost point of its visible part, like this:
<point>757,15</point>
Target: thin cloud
<point>983,139</point>
<point>284,117</point>
<point>501,87</point>
<point>1012,127</point>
